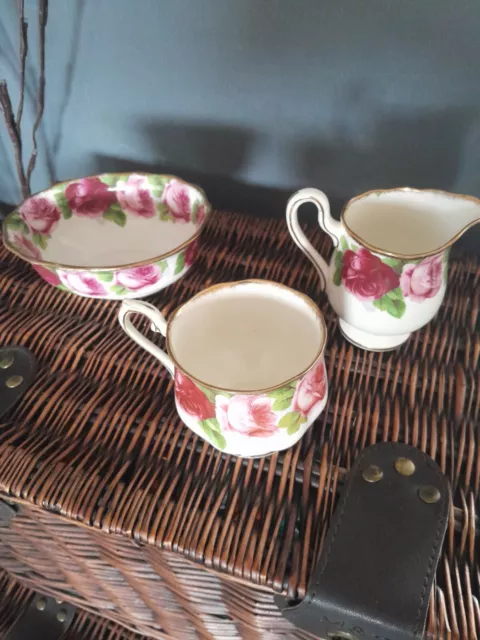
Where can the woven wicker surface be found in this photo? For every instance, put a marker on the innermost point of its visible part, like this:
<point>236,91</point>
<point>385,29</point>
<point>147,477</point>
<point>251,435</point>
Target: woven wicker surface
<point>97,439</point>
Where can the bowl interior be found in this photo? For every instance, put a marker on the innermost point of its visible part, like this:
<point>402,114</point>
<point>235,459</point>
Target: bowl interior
<point>108,220</point>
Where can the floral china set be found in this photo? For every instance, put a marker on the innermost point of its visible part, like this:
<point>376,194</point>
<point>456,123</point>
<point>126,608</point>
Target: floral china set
<point>247,358</point>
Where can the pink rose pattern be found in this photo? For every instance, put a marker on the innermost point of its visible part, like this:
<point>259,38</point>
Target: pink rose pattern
<point>40,214</point>
<point>176,197</point>
<point>283,410</point>
<point>191,253</point>
<point>311,390</point>
<point>139,277</point>
<point>24,245</point>
<point>386,282</point>
<point>250,415</point>
<point>135,197</point>
<point>49,276</point>
<point>83,283</point>
<point>423,280</point>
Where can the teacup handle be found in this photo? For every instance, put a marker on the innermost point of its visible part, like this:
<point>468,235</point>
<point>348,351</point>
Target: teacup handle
<point>325,220</point>
<point>128,308</point>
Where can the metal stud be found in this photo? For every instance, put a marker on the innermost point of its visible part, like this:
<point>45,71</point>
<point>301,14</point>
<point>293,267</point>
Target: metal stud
<point>372,473</point>
<point>58,601</point>
<point>41,604</point>
<point>429,494</point>
<point>62,615</point>
<point>6,362</point>
<point>14,381</point>
<point>405,466</point>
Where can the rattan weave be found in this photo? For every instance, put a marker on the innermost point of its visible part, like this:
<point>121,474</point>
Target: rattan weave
<point>126,512</point>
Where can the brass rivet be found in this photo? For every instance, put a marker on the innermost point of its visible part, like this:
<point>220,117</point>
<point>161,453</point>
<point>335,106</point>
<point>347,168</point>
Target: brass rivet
<point>429,494</point>
<point>41,604</point>
<point>14,381</point>
<point>6,362</point>
<point>62,615</point>
<point>404,466</point>
<point>372,473</point>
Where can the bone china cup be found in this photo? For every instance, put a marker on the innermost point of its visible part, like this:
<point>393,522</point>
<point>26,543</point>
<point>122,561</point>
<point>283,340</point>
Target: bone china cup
<point>115,235</point>
<point>248,363</point>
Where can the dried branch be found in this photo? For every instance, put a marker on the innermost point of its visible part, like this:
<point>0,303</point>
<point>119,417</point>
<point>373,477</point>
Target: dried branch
<point>15,137</point>
<point>23,36</point>
<point>42,23</point>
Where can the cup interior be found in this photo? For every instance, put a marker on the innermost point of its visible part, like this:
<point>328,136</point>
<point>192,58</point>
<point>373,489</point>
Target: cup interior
<point>247,336</point>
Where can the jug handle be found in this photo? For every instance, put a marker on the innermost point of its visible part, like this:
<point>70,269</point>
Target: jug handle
<point>128,308</point>
<point>325,220</point>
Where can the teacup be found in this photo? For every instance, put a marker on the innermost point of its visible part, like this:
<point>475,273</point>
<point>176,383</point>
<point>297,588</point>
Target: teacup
<point>248,363</point>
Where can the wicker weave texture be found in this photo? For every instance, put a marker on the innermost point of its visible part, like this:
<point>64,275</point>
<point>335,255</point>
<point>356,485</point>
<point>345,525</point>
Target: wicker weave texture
<point>97,440</point>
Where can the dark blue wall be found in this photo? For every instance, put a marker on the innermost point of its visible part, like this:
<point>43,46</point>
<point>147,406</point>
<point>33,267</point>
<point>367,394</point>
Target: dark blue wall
<point>346,95</point>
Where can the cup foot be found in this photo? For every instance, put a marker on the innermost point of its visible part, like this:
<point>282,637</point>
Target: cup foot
<point>370,341</point>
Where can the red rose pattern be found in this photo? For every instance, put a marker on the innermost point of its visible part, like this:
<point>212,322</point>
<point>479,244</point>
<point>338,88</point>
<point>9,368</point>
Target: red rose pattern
<point>366,276</point>
<point>40,214</point>
<point>191,399</point>
<point>89,197</point>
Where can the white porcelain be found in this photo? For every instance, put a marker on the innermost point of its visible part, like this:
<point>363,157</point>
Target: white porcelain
<point>114,236</point>
<point>388,273</point>
<point>248,363</point>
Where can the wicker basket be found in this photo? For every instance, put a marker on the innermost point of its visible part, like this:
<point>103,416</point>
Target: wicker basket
<point>126,513</point>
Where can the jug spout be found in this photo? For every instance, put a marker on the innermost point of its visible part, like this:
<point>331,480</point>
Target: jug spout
<point>409,223</point>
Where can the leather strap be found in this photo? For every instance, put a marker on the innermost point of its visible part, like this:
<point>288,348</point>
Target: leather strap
<point>44,619</point>
<point>375,572</point>
<point>17,371</point>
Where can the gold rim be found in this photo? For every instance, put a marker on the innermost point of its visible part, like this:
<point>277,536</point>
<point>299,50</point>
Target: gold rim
<point>139,263</point>
<point>406,256</point>
<point>239,283</point>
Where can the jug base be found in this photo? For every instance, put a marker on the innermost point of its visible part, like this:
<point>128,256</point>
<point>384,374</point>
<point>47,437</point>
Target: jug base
<point>370,341</point>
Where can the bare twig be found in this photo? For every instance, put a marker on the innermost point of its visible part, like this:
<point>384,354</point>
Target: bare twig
<point>14,134</point>
<point>42,23</point>
<point>14,124</point>
<point>23,35</point>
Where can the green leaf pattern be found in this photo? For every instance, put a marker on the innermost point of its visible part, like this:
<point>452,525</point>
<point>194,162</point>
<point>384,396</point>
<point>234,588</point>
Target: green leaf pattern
<point>180,263</point>
<point>211,428</point>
